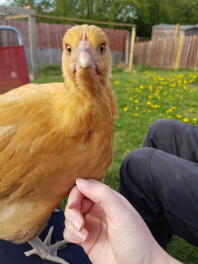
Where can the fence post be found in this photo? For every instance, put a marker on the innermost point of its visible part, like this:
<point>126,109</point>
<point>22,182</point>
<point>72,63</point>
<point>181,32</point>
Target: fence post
<point>179,51</point>
<point>133,35</point>
<point>4,33</point>
<point>32,41</point>
<point>177,30</point>
<point>127,49</point>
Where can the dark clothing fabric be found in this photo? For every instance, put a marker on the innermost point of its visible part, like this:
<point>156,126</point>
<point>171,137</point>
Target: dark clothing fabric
<point>14,254</point>
<point>175,138</point>
<point>161,181</point>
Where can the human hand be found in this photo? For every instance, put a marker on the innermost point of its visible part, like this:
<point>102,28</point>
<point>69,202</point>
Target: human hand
<point>109,229</point>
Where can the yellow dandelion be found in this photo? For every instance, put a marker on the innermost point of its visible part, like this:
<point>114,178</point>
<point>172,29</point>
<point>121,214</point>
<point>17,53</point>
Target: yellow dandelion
<point>135,114</point>
<point>191,110</point>
<point>180,76</point>
<point>126,108</point>
<point>179,116</point>
<point>185,119</point>
<point>156,106</point>
<point>116,82</point>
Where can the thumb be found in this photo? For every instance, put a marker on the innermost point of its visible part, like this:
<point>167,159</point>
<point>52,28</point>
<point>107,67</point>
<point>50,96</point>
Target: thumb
<point>108,199</point>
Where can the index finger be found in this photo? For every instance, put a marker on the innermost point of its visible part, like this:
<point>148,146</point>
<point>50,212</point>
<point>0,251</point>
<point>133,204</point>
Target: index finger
<point>78,201</point>
<point>75,199</point>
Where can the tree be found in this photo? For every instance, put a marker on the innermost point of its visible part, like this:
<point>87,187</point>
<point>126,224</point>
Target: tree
<point>144,13</point>
<point>41,6</point>
<point>152,12</point>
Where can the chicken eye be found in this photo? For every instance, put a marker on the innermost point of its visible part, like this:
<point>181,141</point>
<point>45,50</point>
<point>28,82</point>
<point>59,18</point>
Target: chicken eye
<point>68,49</point>
<point>101,48</point>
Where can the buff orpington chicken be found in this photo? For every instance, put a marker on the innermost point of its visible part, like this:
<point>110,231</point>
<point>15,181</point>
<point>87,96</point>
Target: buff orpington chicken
<point>51,134</point>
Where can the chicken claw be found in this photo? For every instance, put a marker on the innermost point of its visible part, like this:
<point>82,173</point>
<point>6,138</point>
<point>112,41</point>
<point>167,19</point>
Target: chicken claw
<point>45,249</point>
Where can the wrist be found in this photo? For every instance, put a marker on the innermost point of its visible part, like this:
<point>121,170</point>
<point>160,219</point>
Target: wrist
<point>160,256</point>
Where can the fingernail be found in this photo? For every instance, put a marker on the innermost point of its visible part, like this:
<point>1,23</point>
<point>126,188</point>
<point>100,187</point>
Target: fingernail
<point>75,236</point>
<point>81,181</point>
<point>76,224</point>
<point>71,204</point>
<point>85,182</point>
<point>81,235</point>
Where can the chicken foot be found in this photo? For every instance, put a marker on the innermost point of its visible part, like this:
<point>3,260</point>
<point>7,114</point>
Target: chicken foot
<point>45,249</point>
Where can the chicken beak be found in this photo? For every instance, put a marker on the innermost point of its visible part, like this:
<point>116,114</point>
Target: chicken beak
<point>84,59</point>
<point>84,55</point>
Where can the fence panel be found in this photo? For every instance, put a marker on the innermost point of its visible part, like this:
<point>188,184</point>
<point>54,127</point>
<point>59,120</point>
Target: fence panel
<point>163,52</point>
<point>49,41</point>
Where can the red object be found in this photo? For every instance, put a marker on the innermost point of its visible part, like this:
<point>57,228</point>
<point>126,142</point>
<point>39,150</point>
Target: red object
<point>13,68</point>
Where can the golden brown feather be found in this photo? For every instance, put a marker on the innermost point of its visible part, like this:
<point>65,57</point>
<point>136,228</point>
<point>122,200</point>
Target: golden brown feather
<point>50,134</point>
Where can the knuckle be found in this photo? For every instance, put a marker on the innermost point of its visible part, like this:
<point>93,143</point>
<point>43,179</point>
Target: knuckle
<point>105,194</point>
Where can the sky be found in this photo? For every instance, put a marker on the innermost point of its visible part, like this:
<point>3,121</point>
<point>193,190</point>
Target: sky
<point>3,2</point>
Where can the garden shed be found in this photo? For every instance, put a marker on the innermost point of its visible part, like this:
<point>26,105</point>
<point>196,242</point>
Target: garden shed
<point>165,30</point>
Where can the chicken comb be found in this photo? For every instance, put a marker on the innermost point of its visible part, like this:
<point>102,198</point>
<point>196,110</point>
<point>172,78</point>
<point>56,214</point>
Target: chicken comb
<point>84,36</point>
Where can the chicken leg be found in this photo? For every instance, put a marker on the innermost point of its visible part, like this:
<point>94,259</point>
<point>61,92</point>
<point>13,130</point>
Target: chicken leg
<point>45,249</point>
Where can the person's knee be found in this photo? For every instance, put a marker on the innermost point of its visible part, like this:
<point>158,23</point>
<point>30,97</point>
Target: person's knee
<point>162,125</point>
<point>136,163</point>
<point>160,133</point>
<point>135,183</point>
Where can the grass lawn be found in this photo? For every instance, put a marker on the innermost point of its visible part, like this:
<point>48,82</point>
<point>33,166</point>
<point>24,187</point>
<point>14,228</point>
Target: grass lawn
<point>144,96</point>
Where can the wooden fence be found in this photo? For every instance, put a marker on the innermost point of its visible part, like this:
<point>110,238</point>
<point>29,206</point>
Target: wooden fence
<point>50,35</point>
<point>49,41</point>
<point>168,52</point>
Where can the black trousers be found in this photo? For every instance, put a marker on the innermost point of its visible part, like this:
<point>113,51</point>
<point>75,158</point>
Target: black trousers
<point>161,181</point>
